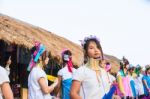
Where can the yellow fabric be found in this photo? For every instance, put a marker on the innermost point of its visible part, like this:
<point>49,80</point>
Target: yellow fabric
<point>120,83</point>
<point>51,78</point>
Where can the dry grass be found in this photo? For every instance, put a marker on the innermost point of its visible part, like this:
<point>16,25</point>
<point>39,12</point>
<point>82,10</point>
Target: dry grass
<point>24,34</point>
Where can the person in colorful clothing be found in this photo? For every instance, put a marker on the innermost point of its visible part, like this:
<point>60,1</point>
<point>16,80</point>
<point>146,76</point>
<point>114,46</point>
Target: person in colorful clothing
<point>90,81</point>
<point>132,75</point>
<point>146,82</point>
<point>37,80</point>
<point>65,75</point>
<point>124,80</point>
<point>138,82</point>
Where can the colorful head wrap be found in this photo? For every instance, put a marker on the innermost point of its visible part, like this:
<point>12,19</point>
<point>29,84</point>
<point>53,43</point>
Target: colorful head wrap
<point>37,51</point>
<point>130,66</point>
<point>108,66</point>
<point>137,69</point>
<point>68,59</point>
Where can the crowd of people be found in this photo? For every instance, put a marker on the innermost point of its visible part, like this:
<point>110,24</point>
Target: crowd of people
<point>92,80</point>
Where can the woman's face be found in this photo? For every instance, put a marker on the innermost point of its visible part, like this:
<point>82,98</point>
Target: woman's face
<point>93,51</point>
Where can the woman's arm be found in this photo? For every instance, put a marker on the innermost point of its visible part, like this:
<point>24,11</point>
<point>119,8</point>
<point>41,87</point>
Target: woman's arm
<point>45,88</point>
<point>6,90</point>
<point>75,89</point>
<point>58,87</point>
<point>145,83</point>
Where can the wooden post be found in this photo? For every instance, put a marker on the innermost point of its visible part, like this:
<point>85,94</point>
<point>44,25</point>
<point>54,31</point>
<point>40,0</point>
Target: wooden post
<point>24,93</point>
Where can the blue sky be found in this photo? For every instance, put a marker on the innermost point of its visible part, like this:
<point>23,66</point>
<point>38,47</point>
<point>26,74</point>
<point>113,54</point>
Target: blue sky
<point>121,25</point>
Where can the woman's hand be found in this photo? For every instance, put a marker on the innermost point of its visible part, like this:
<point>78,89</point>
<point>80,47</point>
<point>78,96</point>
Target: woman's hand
<point>55,82</point>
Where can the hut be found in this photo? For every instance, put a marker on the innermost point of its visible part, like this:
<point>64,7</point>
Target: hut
<point>17,38</point>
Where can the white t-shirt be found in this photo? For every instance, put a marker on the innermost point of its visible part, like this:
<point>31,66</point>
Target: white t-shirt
<point>7,70</point>
<point>35,91</point>
<point>3,78</point>
<point>65,74</point>
<point>91,88</point>
<point>139,85</point>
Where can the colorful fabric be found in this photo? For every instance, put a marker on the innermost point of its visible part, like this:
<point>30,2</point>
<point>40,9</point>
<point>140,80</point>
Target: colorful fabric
<point>109,95</point>
<point>124,84</point>
<point>127,87</point>
<point>70,65</point>
<point>40,51</point>
<point>35,56</point>
<point>120,84</point>
<point>107,67</point>
<point>66,81</point>
<point>51,78</point>
<point>68,59</point>
<point>91,88</point>
<point>132,84</point>
<point>66,85</point>
<point>147,79</point>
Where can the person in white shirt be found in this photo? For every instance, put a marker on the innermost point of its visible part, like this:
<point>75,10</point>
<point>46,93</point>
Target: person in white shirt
<point>65,75</point>
<point>90,81</point>
<point>37,80</point>
<point>5,90</point>
<point>138,82</point>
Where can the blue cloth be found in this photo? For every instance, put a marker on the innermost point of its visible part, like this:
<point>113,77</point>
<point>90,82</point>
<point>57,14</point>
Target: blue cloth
<point>110,93</point>
<point>132,84</point>
<point>66,85</point>
<point>41,50</point>
<point>122,73</point>
<point>147,79</point>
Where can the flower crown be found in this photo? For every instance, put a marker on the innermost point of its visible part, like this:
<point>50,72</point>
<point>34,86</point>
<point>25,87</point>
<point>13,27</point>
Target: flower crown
<point>91,37</point>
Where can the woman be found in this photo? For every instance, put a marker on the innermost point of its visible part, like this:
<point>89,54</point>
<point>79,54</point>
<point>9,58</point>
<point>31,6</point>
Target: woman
<point>90,81</point>
<point>138,82</point>
<point>6,91</point>
<point>7,64</point>
<point>37,80</point>
<point>124,79</point>
<point>65,75</point>
<point>146,82</point>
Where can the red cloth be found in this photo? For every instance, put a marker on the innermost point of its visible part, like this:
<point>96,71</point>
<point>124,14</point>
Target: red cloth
<point>70,65</point>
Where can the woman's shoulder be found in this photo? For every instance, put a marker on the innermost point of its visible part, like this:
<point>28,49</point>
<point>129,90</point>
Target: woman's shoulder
<point>2,70</point>
<point>82,67</point>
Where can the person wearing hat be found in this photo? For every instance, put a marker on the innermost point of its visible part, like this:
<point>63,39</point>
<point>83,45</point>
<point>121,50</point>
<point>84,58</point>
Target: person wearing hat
<point>65,75</point>
<point>146,81</point>
<point>37,80</point>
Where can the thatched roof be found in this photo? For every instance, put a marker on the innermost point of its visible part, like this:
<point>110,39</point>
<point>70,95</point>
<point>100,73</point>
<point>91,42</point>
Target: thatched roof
<point>23,34</point>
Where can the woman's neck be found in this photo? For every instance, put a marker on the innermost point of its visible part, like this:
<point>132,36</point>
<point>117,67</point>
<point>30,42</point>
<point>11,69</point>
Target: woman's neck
<point>39,64</point>
<point>93,64</point>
